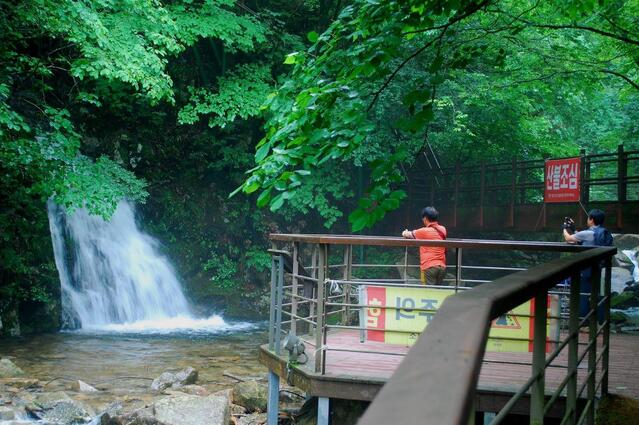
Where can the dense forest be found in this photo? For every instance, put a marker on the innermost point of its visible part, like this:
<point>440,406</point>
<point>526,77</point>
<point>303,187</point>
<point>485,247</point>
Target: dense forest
<point>309,107</point>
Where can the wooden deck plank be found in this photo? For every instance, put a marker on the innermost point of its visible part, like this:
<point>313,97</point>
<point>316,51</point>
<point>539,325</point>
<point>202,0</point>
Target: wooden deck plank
<point>495,375</point>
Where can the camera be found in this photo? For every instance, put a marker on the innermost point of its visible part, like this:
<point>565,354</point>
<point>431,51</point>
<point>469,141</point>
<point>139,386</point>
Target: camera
<point>569,225</point>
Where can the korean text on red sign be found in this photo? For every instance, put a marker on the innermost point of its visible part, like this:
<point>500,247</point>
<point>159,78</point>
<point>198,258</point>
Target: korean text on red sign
<point>562,180</point>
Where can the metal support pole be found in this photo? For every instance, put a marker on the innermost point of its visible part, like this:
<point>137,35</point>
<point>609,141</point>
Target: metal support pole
<point>537,391</point>
<point>322,410</point>
<point>321,282</point>
<point>573,349</point>
<point>295,287</point>
<point>272,409</point>
<point>606,333</point>
<point>271,319</point>
<point>595,283</point>
<point>278,315</point>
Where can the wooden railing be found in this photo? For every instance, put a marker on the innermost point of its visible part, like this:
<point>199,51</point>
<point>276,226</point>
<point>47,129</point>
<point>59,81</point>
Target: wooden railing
<point>496,194</point>
<point>438,377</point>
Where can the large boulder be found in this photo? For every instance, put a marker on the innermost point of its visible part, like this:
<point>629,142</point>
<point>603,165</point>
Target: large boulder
<point>192,410</point>
<point>8,369</point>
<point>175,380</point>
<point>620,279</point>
<point>252,395</point>
<point>58,408</point>
<point>626,241</point>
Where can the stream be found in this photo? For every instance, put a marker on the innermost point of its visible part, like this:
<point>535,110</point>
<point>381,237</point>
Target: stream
<point>123,365</point>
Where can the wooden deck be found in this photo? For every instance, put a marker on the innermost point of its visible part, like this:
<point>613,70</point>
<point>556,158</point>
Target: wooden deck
<point>358,375</point>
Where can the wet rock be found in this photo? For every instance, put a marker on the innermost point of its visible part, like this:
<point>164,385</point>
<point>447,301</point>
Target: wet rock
<point>82,387</point>
<point>20,382</point>
<point>175,380</point>
<point>252,395</point>
<point>620,279</point>
<point>8,369</point>
<point>58,408</point>
<point>186,376</point>
<point>195,390</point>
<point>626,241</point>
<point>625,300</point>
<point>236,410</point>
<point>252,419</point>
<point>192,410</point>
<point>6,414</point>
<point>163,382</point>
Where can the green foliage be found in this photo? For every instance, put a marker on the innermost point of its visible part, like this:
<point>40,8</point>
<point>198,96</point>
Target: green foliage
<point>476,78</point>
<point>239,95</point>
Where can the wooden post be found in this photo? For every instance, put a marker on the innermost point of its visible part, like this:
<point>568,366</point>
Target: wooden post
<point>482,192</point>
<point>622,183</point>
<point>273,298</point>
<point>279,296</point>
<point>432,190</point>
<point>522,190</point>
<point>513,195</point>
<point>537,391</point>
<point>584,176</point>
<point>573,349</point>
<point>591,386</point>
<point>605,355</point>
<point>456,201</point>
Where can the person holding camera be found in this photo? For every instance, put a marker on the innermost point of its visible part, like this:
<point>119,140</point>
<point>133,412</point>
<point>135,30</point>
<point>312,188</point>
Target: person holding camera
<point>432,259</point>
<point>594,235</point>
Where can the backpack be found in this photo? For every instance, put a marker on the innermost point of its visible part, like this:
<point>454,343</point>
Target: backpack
<point>602,236</point>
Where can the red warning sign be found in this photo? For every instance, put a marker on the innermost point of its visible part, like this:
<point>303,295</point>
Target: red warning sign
<point>562,180</point>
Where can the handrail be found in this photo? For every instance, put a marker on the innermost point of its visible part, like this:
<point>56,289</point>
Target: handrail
<point>391,241</point>
<point>436,381</point>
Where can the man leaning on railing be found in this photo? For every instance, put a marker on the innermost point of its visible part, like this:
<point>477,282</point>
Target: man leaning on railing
<point>432,259</point>
<point>594,235</point>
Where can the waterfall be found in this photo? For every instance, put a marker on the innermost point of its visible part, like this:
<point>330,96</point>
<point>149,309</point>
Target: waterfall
<point>631,256</point>
<point>113,276</point>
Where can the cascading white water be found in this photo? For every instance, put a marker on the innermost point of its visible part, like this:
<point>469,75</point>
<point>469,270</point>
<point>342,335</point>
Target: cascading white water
<point>114,278</point>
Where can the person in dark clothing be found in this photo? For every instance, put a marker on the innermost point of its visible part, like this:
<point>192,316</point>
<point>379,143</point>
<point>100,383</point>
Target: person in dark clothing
<point>594,235</point>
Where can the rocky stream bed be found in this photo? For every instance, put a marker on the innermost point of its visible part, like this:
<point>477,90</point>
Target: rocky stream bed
<point>68,379</point>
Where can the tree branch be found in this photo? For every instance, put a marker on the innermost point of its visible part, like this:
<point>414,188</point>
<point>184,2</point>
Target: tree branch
<point>444,28</point>
<point>618,74</point>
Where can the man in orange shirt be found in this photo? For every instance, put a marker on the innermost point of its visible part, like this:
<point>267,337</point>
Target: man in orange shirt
<point>432,258</point>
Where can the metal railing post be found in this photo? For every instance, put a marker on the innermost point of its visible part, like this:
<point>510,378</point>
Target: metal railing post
<point>573,349</point>
<point>311,307</point>
<point>595,283</point>
<point>271,319</point>
<point>295,287</point>
<point>606,333</point>
<point>458,270</point>
<point>538,389</point>
<point>278,315</point>
<point>348,266</point>
<point>321,289</point>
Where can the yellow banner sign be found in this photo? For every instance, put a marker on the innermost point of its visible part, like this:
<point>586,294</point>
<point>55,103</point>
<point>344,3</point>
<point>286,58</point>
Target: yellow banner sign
<point>403,313</point>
